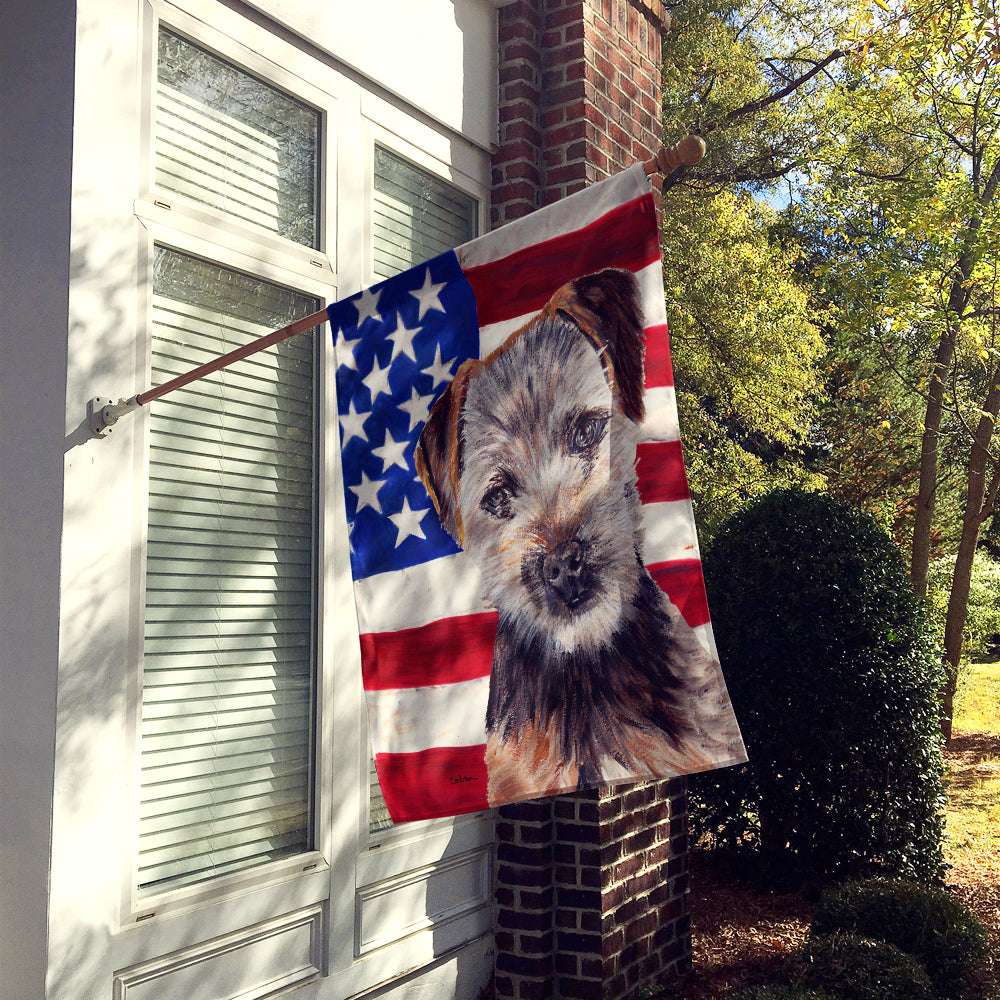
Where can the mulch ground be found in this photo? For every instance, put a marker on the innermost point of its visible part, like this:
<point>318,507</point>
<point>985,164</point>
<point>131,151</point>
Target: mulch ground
<point>742,934</point>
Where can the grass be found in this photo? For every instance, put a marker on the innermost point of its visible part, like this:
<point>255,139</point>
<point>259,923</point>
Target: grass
<point>972,848</point>
<point>973,782</point>
<point>978,698</point>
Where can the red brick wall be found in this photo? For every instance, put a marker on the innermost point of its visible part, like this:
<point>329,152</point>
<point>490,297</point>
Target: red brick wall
<point>579,96</point>
<point>591,888</point>
<point>591,893</point>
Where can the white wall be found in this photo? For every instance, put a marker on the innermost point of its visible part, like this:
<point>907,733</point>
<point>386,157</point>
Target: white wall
<point>396,41</point>
<point>36,109</point>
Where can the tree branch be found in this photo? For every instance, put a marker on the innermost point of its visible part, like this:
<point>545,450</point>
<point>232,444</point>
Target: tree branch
<point>754,106</point>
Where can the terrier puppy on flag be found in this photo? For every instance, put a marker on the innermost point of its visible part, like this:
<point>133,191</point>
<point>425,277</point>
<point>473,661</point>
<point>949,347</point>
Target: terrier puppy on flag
<point>529,457</point>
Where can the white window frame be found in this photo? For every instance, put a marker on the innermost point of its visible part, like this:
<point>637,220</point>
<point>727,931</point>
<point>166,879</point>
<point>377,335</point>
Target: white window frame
<point>180,224</point>
<point>344,879</point>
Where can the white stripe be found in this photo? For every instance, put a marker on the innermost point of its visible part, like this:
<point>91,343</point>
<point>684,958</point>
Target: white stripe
<point>564,216</point>
<point>417,595</point>
<point>654,305</point>
<point>661,415</point>
<point>670,534</point>
<point>706,637</point>
<point>446,715</point>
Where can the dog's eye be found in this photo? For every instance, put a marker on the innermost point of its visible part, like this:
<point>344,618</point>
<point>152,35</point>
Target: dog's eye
<point>498,501</point>
<point>587,431</point>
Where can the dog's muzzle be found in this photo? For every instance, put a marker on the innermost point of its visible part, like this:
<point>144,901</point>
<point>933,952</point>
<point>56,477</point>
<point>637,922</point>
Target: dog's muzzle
<point>566,575</point>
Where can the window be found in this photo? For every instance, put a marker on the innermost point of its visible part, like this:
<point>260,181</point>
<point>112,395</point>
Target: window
<point>252,803</point>
<point>228,140</point>
<point>210,822</point>
<point>229,646</point>
<point>416,215</point>
<point>228,680</point>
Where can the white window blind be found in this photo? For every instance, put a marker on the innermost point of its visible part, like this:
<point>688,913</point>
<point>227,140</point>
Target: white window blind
<point>415,216</point>
<point>228,687</point>
<point>228,140</point>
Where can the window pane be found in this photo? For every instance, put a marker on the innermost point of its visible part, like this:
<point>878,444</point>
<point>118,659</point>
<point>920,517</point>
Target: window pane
<point>228,679</point>
<point>416,216</point>
<point>226,139</point>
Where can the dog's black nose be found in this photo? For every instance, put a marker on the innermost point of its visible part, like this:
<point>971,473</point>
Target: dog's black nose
<point>563,570</point>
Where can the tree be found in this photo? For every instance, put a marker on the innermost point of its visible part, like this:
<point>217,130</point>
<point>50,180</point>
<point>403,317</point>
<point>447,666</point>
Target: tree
<point>747,352</point>
<point>745,75</point>
<point>914,187</point>
<point>747,357</point>
<point>881,122</point>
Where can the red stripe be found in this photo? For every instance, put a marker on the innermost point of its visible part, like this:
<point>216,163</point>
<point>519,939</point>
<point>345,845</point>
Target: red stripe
<point>659,371</point>
<point>660,465</point>
<point>443,652</point>
<point>524,281</point>
<point>683,583</point>
<point>441,781</point>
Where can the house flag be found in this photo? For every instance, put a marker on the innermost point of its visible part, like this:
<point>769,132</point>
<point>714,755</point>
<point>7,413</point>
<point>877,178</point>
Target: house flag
<point>527,581</point>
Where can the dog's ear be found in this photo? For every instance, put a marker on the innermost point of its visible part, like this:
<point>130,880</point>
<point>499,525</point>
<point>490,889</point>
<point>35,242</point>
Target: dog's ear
<point>607,307</point>
<point>438,455</point>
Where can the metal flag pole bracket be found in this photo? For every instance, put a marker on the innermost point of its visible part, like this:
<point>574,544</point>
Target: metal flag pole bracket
<point>103,413</point>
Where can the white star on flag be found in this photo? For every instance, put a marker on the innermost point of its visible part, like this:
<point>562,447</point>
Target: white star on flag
<point>402,341</point>
<point>367,492</point>
<point>427,295</point>
<point>416,408</point>
<point>439,369</point>
<point>353,423</point>
<point>407,522</point>
<point>377,380</point>
<point>391,452</point>
<point>344,353</point>
<point>367,306</point>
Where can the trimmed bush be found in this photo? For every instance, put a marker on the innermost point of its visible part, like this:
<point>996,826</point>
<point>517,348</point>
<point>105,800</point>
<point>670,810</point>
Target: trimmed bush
<point>925,922</point>
<point>856,968</point>
<point>782,993</point>
<point>834,672</point>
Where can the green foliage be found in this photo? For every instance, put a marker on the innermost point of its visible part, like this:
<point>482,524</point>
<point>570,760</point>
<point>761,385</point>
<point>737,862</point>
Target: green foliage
<point>782,993</point>
<point>746,354</point>
<point>833,672</point>
<point>983,612</point>
<point>856,968</point>
<point>926,922</point>
<point>724,60</point>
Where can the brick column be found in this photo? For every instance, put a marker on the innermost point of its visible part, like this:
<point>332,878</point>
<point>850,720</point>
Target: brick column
<point>579,96</point>
<point>591,888</point>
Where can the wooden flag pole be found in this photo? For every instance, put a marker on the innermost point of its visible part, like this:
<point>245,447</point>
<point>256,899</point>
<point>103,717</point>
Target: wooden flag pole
<point>103,413</point>
<point>687,152</point>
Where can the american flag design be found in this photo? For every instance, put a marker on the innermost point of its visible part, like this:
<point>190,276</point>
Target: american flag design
<point>426,636</point>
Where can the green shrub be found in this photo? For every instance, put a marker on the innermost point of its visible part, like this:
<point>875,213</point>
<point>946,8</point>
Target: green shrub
<point>782,993</point>
<point>926,922</point>
<point>833,672</point>
<point>856,968</point>
<point>982,618</point>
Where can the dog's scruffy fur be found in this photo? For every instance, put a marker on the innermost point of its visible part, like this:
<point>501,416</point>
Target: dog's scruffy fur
<point>529,457</point>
